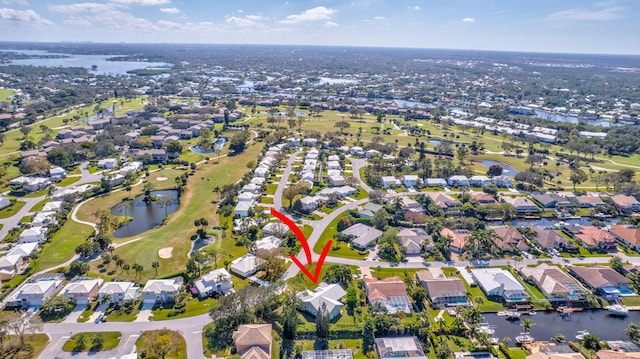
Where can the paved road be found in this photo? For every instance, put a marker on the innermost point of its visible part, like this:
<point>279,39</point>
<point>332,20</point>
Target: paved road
<point>190,328</point>
<point>356,165</point>
<point>277,197</point>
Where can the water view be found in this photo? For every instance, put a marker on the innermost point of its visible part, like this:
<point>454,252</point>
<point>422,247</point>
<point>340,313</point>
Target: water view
<point>217,146</point>
<point>145,216</point>
<point>104,67</point>
<point>506,169</point>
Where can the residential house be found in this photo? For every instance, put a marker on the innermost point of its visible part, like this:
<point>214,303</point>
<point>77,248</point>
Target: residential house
<point>83,290</point>
<point>551,200</point>
<point>245,266</point>
<point>327,354</point>
<point>554,283</point>
<point>436,182</point>
<point>443,291</point>
<point>413,240</point>
<point>10,265</point>
<point>253,341</point>
<point>499,283</point>
<point>479,181</point>
<point>108,163</point>
<point>523,205</point>
<point>4,202</point>
<point>336,180</point>
<point>24,250</point>
<point>363,236</point>
<point>587,201</point>
<point>548,238</point>
<point>458,181</point>
<point>483,198</point>
<point>444,201</point>
<point>411,205</point>
<point>369,210</point>
<point>509,238</point>
<point>325,294</point>
<point>33,235</point>
<point>629,236</point>
<point>33,294</point>
<point>53,206</point>
<point>57,173</point>
<point>410,181</point>
<point>399,347</point>
<point>624,203</point>
<point>277,229</point>
<point>216,281</point>
<point>267,243</point>
<point>161,290</point>
<point>603,281</point>
<point>389,293</point>
<point>458,238</point>
<point>119,292</point>
<point>593,237</point>
<point>502,182</point>
<point>310,203</point>
<point>389,181</point>
<point>242,209</point>
<point>43,219</point>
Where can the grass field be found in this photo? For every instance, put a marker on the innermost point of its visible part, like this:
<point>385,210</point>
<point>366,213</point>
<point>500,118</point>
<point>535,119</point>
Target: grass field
<point>111,340</point>
<point>38,206</point>
<point>179,227</point>
<point>194,306</point>
<point>62,245</point>
<point>37,341</point>
<point>12,209</point>
<point>340,249</point>
<point>68,181</point>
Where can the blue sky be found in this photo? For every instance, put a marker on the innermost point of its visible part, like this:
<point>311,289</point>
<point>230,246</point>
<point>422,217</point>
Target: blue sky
<point>523,25</point>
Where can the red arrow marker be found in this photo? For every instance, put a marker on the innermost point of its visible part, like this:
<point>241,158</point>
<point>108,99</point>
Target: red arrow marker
<point>305,245</point>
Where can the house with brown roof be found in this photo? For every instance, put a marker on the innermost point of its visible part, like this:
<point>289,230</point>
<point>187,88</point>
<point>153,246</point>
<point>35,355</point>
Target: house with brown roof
<point>483,198</point>
<point>624,203</point>
<point>628,236</point>
<point>548,238</point>
<point>444,201</point>
<point>616,354</point>
<point>554,283</point>
<point>523,205</point>
<point>414,239</point>
<point>588,201</point>
<point>551,200</point>
<point>509,238</point>
<point>593,237</point>
<point>458,238</point>
<point>389,294</point>
<point>443,291</point>
<point>253,341</point>
<point>603,281</point>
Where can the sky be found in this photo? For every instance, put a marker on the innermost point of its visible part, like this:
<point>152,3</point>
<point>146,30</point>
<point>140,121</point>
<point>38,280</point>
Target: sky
<point>568,26</point>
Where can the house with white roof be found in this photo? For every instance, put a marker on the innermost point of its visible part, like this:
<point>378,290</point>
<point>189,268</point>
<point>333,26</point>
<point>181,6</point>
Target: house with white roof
<point>362,235</point>
<point>327,294</point>
<point>57,172</point>
<point>267,243</point>
<point>336,180</point>
<point>83,290</point>
<point>310,203</point>
<point>43,219</point>
<point>216,281</point>
<point>35,293</point>
<point>52,206</point>
<point>4,202</point>
<point>436,182</point>
<point>25,249</point>
<point>33,235</point>
<point>242,209</point>
<point>108,163</point>
<point>497,282</point>
<point>502,181</point>
<point>410,181</point>
<point>480,181</point>
<point>245,266</point>
<point>261,172</point>
<point>119,292</point>
<point>389,181</point>
<point>161,290</point>
<point>333,165</point>
<point>277,229</point>
<point>10,265</point>
<point>458,181</point>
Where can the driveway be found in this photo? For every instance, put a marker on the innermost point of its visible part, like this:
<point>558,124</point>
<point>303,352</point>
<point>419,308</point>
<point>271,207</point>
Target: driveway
<point>145,313</point>
<point>75,314</point>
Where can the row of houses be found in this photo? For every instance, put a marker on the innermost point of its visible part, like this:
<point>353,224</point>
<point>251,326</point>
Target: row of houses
<point>411,181</point>
<point>250,192</point>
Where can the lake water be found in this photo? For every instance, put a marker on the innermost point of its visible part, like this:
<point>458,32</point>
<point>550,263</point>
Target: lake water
<point>544,222</point>
<point>216,147</point>
<point>104,67</point>
<point>556,117</point>
<point>145,217</point>
<point>506,169</point>
<point>548,324</point>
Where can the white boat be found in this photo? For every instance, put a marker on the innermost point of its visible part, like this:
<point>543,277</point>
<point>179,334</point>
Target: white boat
<point>513,315</point>
<point>524,338</point>
<point>494,340</point>
<point>486,328</point>
<point>617,309</point>
<point>581,334</point>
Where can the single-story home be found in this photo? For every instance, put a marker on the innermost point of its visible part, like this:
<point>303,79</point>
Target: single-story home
<point>414,240</point>
<point>629,236</point>
<point>389,181</point>
<point>458,181</point>
<point>458,238</point>
<point>108,163</point>
<point>551,200</point>
<point>267,243</point>
<point>363,236</point>
<point>624,203</point>
<point>480,181</point>
<point>436,182</point>
<point>443,291</point>
<point>509,238</point>
<point>4,202</point>
<point>554,283</point>
<point>410,181</point>
<point>497,282</point>
<point>389,293</point>
<point>325,294</point>
<point>399,347</point>
<point>10,265</point>
<point>33,235</point>
<point>548,238</point>
<point>603,281</point>
<point>369,210</point>
<point>245,266</point>
<point>523,205</point>
<point>25,250</point>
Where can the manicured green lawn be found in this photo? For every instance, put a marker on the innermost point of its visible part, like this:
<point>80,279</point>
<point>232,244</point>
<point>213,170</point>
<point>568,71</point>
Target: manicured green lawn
<point>86,314</point>
<point>361,194</point>
<point>631,301</point>
<point>41,193</point>
<point>266,200</point>
<point>122,314</point>
<point>111,340</point>
<point>354,344</point>
<point>68,181</point>
<point>5,95</point>
<point>194,307</point>
<point>12,209</point>
<point>61,247</point>
<point>271,188</point>
<point>339,249</point>
<point>179,352</point>
<point>38,206</point>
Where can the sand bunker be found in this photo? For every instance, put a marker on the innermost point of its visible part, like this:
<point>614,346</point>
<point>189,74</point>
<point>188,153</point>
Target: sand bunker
<point>160,179</point>
<point>165,253</point>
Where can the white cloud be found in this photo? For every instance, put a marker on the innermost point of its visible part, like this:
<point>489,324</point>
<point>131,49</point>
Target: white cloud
<point>580,14</point>
<point>22,16</point>
<point>315,14</point>
<point>330,24</point>
<point>468,19</point>
<point>244,21</point>
<point>90,7</point>
<point>142,2</point>
<point>15,2</point>
<point>378,18</point>
<point>170,10</point>
<point>415,7</point>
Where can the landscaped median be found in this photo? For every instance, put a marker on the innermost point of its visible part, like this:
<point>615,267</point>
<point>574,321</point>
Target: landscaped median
<point>162,343</point>
<point>92,342</point>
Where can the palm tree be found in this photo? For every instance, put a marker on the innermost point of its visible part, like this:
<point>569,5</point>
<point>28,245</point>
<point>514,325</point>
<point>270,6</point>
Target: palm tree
<point>526,325</point>
<point>126,268</point>
<point>155,265</point>
<point>119,262</point>
<point>632,331</point>
<point>138,268</point>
